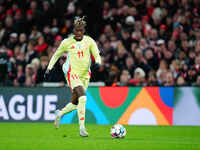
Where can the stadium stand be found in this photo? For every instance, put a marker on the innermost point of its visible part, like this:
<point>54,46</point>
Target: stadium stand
<point>142,42</point>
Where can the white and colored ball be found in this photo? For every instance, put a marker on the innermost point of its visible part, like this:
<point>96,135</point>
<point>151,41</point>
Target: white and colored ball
<point>118,131</point>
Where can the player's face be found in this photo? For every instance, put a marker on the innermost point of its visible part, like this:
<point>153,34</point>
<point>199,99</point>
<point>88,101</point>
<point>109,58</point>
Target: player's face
<point>79,32</point>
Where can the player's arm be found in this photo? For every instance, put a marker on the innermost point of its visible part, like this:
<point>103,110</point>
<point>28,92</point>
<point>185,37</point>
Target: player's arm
<point>61,49</point>
<point>95,52</point>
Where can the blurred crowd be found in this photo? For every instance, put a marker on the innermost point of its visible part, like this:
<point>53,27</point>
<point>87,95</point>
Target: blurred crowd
<point>142,42</point>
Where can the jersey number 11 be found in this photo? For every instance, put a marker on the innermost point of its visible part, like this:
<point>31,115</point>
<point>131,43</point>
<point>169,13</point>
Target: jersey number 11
<point>80,54</point>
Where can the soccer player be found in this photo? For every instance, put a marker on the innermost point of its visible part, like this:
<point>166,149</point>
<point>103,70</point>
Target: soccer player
<point>78,48</point>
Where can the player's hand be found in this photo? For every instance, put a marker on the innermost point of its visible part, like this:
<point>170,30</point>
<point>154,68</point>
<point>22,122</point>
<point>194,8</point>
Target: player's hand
<point>46,74</point>
<point>96,66</point>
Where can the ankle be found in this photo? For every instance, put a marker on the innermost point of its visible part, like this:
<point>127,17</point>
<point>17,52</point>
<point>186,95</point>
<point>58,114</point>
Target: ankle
<point>60,113</point>
<point>82,127</point>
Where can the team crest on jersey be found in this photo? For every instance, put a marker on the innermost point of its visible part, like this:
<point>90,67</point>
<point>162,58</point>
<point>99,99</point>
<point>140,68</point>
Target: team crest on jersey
<point>79,46</point>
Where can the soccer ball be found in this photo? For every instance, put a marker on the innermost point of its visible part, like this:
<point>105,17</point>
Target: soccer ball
<point>118,131</point>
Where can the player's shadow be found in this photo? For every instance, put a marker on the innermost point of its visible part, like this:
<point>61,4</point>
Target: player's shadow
<point>111,138</point>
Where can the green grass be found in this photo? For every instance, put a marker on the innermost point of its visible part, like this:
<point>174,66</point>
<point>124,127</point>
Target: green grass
<point>42,136</point>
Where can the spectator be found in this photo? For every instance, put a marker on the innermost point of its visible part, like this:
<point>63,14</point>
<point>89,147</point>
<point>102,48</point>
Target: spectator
<point>169,79</point>
<point>37,14</point>
<point>30,21</point>
<point>152,81</point>
<point>47,13</point>
<point>121,56</point>
<point>57,41</point>
<point>197,64</point>
<point>13,40</point>
<point>175,68</point>
<point>20,79</point>
<point>42,68</point>
<point>180,81</point>
<point>151,59</point>
<point>35,63</point>
<point>35,34</point>
<point>112,77</point>
<point>67,28</point>
<point>130,64</point>
<point>124,78</point>
<point>2,31</point>
<point>197,83</point>
<point>23,42</point>
<point>19,22</point>
<point>29,82</point>
<point>139,77</point>
<point>191,76</point>
<point>9,28</point>
<point>31,52</point>
<point>101,74</point>
<point>29,72</point>
<point>42,45</point>
<point>17,50</point>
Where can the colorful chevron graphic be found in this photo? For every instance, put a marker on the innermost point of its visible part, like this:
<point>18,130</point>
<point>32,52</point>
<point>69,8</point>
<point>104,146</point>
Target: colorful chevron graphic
<point>150,107</point>
<point>127,105</point>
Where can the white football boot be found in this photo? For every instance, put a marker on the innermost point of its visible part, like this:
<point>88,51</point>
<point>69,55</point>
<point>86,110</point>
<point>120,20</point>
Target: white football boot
<point>57,119</point>
<point>83,133</point>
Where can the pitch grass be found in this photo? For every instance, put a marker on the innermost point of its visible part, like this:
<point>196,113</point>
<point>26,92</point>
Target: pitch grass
<point>42,136</point>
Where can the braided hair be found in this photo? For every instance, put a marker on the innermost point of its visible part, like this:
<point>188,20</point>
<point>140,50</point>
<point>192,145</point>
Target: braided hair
<point>79,22</point>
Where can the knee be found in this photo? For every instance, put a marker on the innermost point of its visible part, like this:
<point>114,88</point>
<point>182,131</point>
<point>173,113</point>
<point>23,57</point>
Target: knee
<point>79,91</point>
<point>74,98</point>
<point>75,102</point>
<point>82,99</point>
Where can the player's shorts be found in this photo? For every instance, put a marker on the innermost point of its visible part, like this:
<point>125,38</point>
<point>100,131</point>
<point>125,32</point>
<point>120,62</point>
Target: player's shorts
<point>73,79</point>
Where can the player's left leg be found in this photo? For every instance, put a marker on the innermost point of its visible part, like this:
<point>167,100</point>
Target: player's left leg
<point>68,108</point>
<point>81,109</point>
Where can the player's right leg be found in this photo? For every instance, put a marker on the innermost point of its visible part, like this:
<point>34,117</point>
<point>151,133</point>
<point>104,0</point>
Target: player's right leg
<point>68,108</point>
<point>73,104</point>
